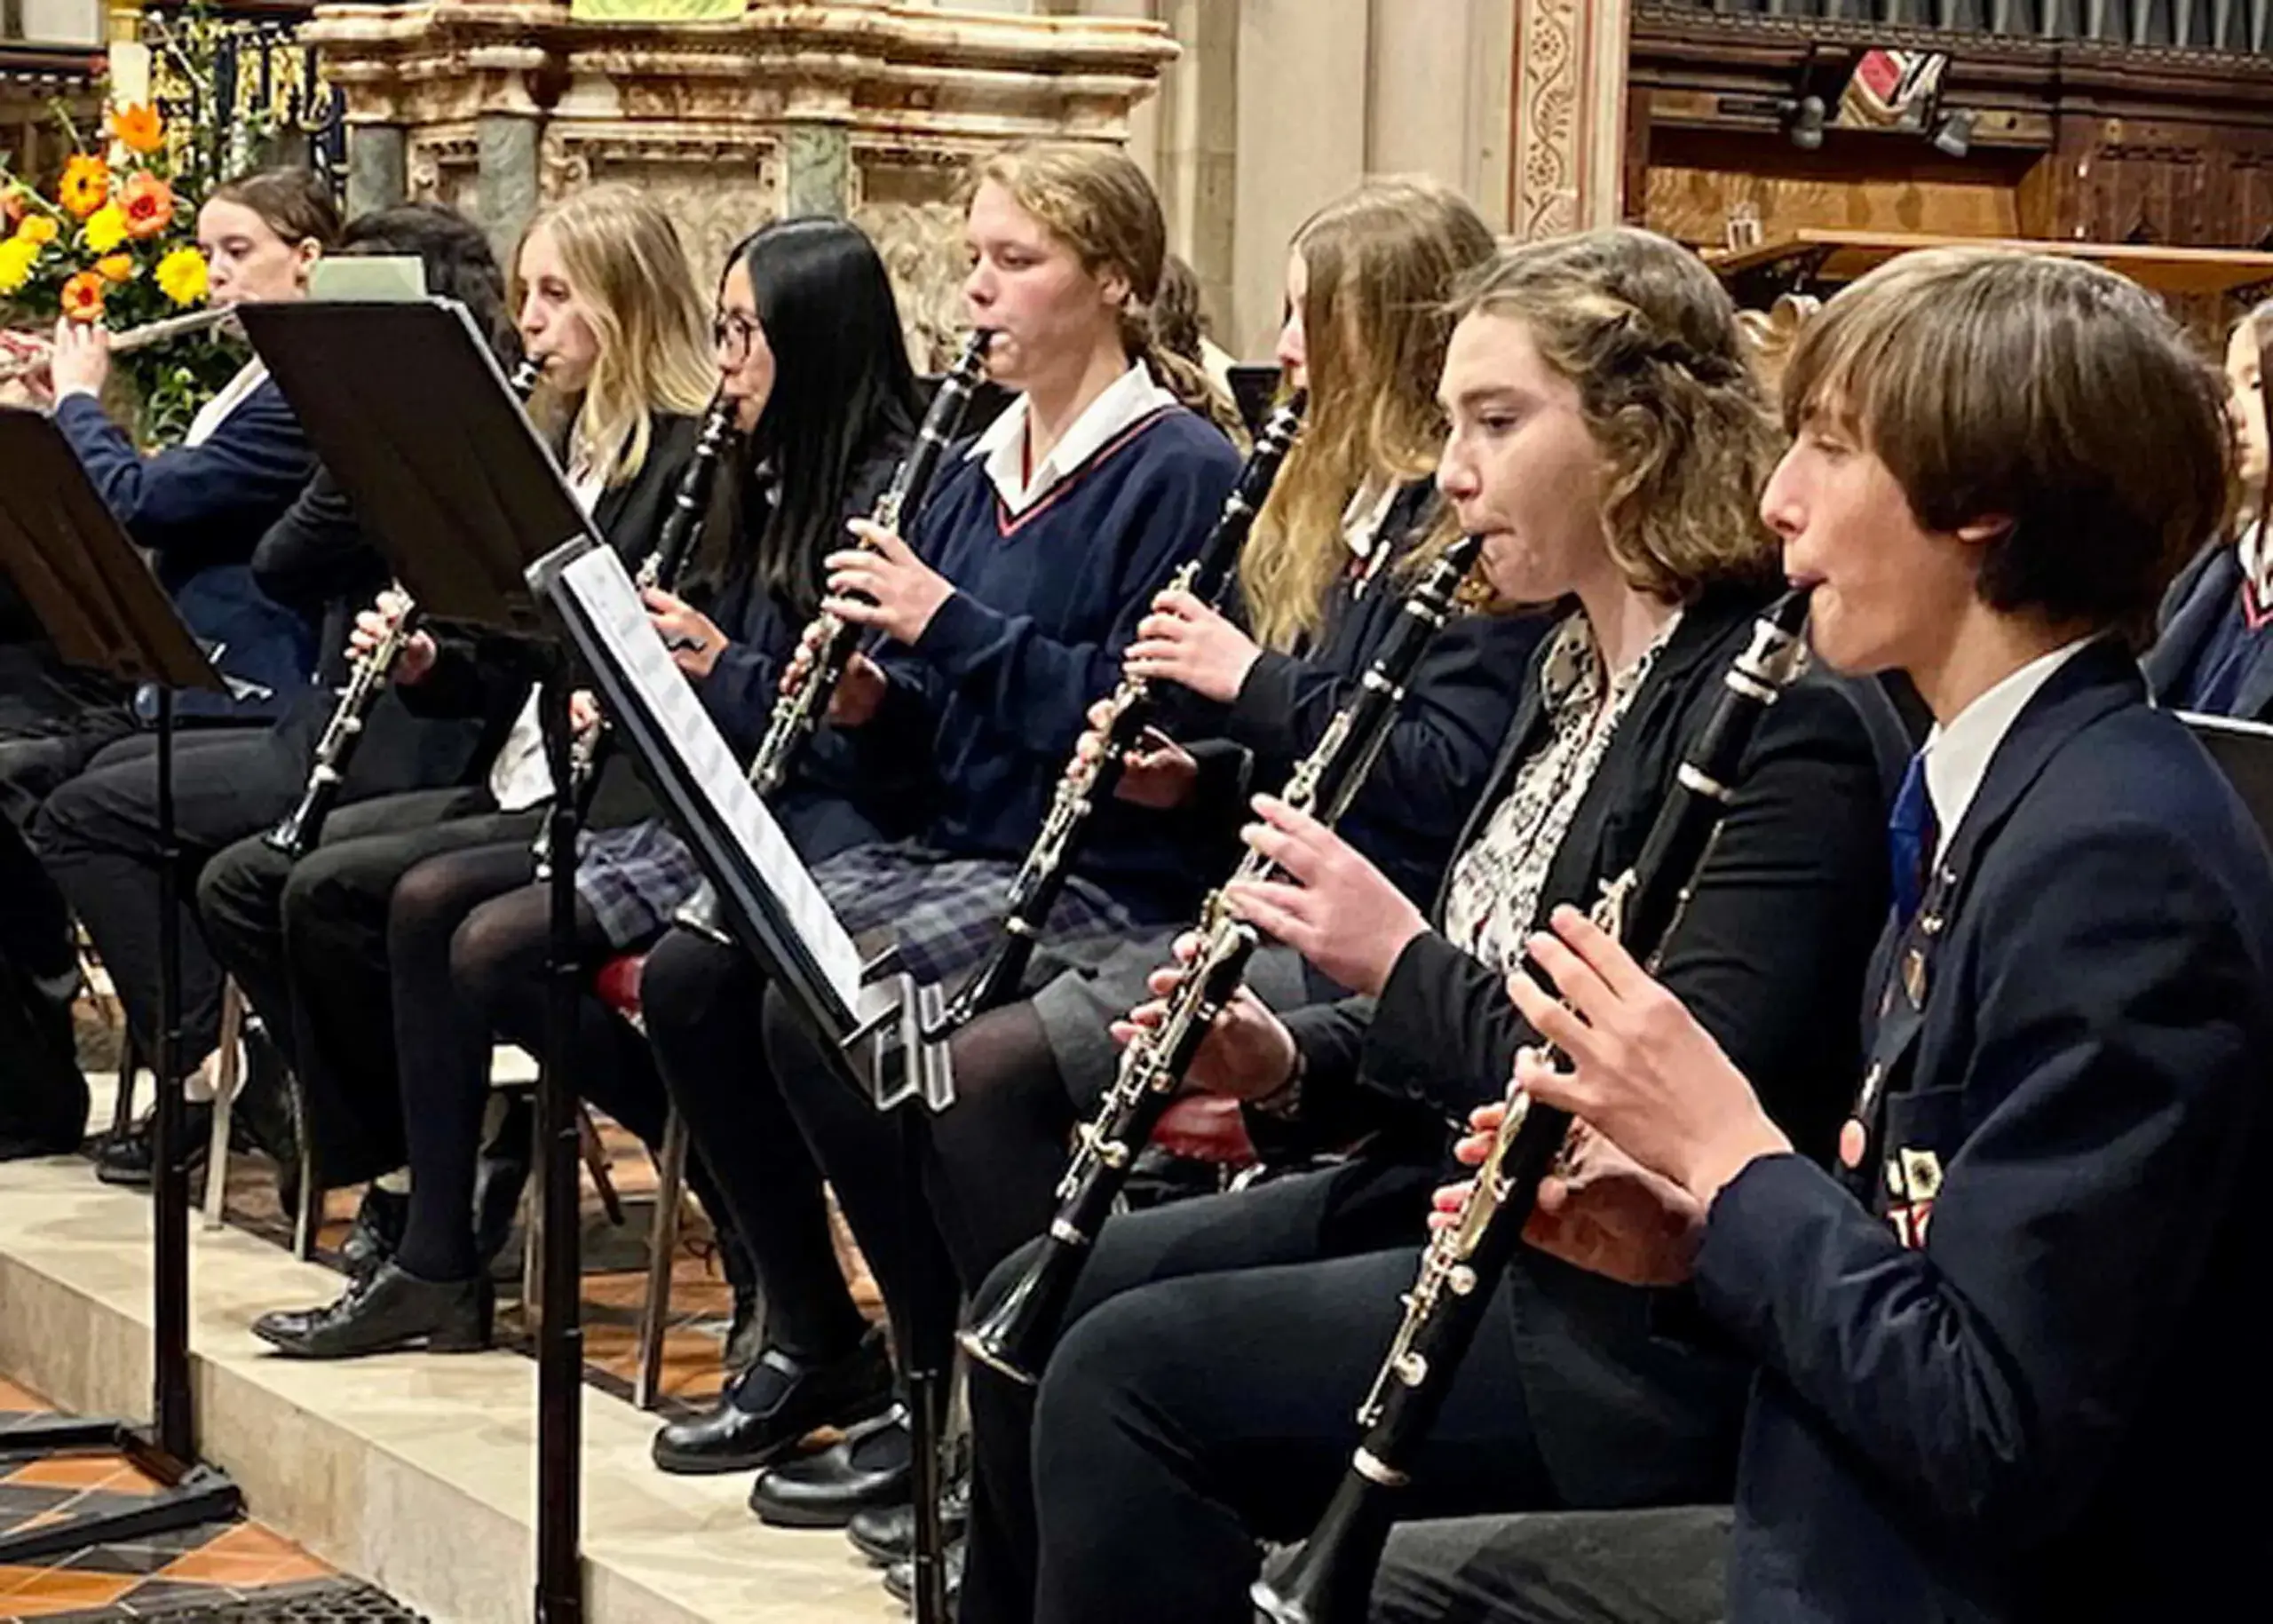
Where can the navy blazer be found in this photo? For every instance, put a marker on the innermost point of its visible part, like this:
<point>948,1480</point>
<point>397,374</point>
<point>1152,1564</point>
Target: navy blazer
<point>2024,1382</point>
<point>200,510</point>
<point>2191,612</point>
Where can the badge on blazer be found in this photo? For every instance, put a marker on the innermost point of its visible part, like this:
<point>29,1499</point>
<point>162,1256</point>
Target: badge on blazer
<point>1913,1178</point>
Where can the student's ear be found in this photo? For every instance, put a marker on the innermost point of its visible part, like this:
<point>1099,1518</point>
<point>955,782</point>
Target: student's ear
<point>1981,531</point>
<point>1115,285</point>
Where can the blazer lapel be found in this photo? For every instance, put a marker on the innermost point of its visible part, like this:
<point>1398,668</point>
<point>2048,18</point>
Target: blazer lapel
<point>2193,608</point>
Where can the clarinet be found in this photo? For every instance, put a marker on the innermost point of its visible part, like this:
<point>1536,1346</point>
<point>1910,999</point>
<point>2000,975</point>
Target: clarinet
<point>1015,1339</point>
<point>1086,784</point>
<point>831,639</point>
<point>1327,1579</point>
<point>675,542</point>
<point>367,678</point>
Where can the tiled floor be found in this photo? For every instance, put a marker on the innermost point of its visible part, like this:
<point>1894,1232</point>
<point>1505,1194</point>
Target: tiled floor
<point>217,1563</point>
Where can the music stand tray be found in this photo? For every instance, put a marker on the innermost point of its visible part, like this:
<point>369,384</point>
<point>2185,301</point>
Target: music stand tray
<point>80,574</point>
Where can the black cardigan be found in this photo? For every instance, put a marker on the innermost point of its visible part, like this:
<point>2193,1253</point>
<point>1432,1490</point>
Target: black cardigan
<point>1770,953</point>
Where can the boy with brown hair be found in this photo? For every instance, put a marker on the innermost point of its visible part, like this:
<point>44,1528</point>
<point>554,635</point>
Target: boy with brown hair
<point>2005,1349</point>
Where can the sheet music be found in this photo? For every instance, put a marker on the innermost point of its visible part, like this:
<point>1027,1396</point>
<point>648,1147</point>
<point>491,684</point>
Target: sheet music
<point>600,585</point>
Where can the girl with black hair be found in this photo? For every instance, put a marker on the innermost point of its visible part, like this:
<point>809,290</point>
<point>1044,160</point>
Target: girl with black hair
<point>809,348</point>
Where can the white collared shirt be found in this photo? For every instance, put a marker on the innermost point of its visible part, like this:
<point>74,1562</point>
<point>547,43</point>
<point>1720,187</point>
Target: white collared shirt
<point>2256,563</point>
<point>519,776</point>
<point>233,394</point>
<point>1128,400</point>
<point>1958,757</point>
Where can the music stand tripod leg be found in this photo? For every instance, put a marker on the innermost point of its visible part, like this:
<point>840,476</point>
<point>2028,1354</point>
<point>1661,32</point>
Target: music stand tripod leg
<point>560,1361</point>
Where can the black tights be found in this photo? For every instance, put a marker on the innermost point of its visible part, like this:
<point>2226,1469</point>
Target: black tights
<point>467,943</point>
<point>990,1169</point>
<point>702,1001</point>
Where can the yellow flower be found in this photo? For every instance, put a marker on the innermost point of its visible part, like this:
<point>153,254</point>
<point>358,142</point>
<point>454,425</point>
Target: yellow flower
<point>16,257</point>
<point>38,230</point>
<point>85,185</point>
<point>105,229</point>
<point>181,276</point>
<point>116,267</point>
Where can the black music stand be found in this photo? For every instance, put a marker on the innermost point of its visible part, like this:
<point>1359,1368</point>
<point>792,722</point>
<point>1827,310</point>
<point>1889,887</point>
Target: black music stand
<point>2244,751</point>
<point>778,917</point>
<point>82,576</point>
<point>411,415</point>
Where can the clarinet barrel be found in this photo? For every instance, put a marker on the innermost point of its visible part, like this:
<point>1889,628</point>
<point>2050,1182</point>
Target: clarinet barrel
<point>1015,1338</point>
<point>296,834</point>
<point>1327,1579</point>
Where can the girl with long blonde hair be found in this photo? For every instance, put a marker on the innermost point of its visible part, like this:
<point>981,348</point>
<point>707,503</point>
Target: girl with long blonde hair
<point>606,303</point>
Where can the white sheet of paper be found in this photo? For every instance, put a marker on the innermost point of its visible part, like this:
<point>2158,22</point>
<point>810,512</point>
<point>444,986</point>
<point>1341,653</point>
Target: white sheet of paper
<point>602,585</point>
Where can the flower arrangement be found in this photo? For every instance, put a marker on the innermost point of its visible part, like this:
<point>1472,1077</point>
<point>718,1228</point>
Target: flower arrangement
<point>113,244</point>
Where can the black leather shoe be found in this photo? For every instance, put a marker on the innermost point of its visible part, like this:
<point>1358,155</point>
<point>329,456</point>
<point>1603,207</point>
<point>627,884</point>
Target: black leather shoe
<point>377,1232</point>
<point>886,1534</point>
<point>772,1405</point>
<point>899,1579</point>
<point>132,1160</point>
<point>390,1310</point>
<point>870,1467</point>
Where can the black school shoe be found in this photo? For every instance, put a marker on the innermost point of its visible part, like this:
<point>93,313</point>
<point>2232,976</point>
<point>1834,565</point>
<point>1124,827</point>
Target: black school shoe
<point>390,1309</point>
<point>873,1467</point>
<point>774,1405</point>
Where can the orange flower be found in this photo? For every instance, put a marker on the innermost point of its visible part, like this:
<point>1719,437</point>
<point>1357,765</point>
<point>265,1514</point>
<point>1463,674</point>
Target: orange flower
<point>149,205</point>
<point>83,297</point>
<point>116,267</point>
<point>138,129</point>
<point>85,187</point>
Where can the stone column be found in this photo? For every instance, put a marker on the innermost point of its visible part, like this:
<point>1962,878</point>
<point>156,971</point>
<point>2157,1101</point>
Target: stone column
<point>1566,162</point>
<point>505,167</point>
<point>378,167</point>
<point>816,169</point>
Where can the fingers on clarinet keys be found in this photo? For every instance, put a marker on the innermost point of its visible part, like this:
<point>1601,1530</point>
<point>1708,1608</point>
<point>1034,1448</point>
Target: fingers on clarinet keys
<point>771,1408</point>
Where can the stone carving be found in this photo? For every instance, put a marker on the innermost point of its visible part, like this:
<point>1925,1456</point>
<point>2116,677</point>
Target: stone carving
<point>1569,115</point>
<point>804,105</point>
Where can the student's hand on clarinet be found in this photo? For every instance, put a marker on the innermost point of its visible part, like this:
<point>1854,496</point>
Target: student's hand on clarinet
<point>1599,1211</point>
<point>584,712</point>
<point>693,637</point>
<point>1185,641</point>
<point>1159,772</point>
<point>1247,1055</point>
<point>1329,904</point>
<point>883,585</point>
<point>859,692</point>
<point>417,655</point>
<point>1638,1064</point>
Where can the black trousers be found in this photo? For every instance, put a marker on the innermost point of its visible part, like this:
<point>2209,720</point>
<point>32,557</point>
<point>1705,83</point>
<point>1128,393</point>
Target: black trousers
<point>1203,1395</point>
<point>1666,1566</point>
<point>99,838</point>
<point>704,1006</point>
<point>308,941</point>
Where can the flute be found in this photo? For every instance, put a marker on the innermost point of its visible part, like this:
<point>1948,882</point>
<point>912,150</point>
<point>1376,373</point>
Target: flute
<point>140,337</point>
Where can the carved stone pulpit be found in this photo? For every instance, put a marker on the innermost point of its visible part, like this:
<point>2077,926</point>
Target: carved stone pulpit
<point>496,106</point>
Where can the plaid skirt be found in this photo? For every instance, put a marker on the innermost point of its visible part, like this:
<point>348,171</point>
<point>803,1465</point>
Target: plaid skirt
<point>633,879</point>
<point>946,912</point>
